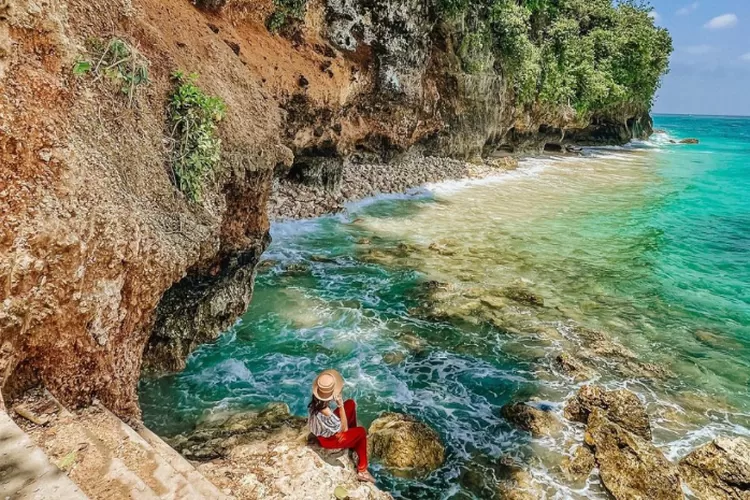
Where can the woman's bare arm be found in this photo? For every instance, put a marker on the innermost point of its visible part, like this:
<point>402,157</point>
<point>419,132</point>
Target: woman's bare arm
<point>342,413</point>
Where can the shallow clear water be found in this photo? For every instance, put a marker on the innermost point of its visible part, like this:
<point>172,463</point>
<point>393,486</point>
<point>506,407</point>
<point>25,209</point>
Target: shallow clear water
<point>649,244</point>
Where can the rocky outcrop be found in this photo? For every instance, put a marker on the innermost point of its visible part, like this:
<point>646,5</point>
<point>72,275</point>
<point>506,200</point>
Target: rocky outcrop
<point>618,442</point>
<point>403,442</point>
<point>538,422</point>
<point>621,406</point>
<point>269,454</point>
<point>629,466</point>
<point>719,469</point>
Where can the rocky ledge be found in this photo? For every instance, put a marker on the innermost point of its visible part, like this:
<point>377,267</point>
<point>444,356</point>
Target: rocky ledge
<point>269,454</point>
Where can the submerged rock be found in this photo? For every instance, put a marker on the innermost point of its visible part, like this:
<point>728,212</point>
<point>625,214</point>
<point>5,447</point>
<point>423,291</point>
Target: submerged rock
<point>719,469</point>
<point>689,141</point>
<point>523,296</point>
<point>627,364</point>
<point>519,485</point>
<point>296,268</point>
<point>526,417</point>
<point>573,367</point>
<point>401,441</point>
<point>630,467</point>
<point>621,406</point>
<point>394,357</point>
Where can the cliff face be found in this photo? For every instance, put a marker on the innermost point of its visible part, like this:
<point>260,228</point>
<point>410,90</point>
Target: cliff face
<point>105,266</point>
<point>93,230</point>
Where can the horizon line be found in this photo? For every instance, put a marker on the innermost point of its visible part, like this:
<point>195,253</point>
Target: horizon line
<point>701,115</point>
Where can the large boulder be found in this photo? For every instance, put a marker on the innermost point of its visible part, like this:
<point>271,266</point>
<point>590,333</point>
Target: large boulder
<point>719,469</point>
<point>630,467</point>
<point>538,422</point>
<point>620,406</point>
<point>403,442</point>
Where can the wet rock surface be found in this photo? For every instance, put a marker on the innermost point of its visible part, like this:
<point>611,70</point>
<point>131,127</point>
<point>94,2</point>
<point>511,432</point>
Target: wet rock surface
<point>529,418</point>
<point>573,367</point>
<point>579,466</point>
<point>719,469</point>
<point>621,406</point>
<point>518,485</point>
<point>403,442</point>
<point>630,466</point>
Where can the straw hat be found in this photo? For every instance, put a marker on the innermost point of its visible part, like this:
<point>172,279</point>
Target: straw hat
<point>327,385</point>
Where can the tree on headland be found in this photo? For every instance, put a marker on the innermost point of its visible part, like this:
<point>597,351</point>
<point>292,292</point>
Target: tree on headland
<point>593,55</point>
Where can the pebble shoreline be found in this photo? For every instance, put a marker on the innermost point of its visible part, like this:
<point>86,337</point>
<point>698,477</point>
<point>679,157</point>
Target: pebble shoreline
<point>292,200</point>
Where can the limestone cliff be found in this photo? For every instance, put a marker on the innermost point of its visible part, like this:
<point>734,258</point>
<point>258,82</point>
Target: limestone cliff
<point>106,268</point>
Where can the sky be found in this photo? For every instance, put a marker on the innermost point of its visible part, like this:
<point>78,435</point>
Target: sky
<point>710,67</point>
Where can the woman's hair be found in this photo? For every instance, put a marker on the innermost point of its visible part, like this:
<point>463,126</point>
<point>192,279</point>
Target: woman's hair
<point>316,405</point>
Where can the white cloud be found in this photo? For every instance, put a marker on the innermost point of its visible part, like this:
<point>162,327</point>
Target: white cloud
<point>688,9</point>
<point>655,16</point>
<point>745,57</point>
<point>723,21</point>
<point>697,50</point>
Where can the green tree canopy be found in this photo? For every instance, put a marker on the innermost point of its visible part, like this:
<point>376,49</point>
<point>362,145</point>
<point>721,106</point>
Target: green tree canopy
<point>593,55</point>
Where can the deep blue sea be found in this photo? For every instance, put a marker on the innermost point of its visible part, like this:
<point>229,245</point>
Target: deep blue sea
<point>649,245</point>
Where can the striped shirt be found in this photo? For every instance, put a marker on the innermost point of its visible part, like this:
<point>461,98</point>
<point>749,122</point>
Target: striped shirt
<point>323,425</point>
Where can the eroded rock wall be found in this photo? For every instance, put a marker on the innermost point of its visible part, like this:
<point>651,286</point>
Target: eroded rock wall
<point>93,229</point>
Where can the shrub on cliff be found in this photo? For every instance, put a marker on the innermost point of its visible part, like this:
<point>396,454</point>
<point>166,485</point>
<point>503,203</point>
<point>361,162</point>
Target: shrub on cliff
<point>286,12</point>
<point>195,145</point>
<point>116,60</point>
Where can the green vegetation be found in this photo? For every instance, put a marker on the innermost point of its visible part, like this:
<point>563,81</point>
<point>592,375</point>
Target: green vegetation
<point>119,62</point>
<point>476,52</point>
<point>593,55</point>
<point>195,145</point>
<point>286,12</point>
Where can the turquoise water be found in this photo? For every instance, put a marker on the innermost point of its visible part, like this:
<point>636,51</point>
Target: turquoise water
<point>648,244</point>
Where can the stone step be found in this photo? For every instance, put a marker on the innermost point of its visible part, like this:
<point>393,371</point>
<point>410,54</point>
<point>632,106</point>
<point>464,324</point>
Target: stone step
<point>105,457</point>
<point>181,465</point>
<point>25,471</point>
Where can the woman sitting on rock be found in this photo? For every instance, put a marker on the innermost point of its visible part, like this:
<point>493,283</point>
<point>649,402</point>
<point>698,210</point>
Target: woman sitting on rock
<point>337,429</point>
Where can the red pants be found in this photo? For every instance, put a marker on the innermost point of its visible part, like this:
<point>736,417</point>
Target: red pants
<point>354,438</point>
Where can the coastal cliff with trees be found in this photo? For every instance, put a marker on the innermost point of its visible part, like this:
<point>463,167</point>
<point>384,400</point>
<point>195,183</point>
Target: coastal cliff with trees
<point>134,201</point>
<point>141,142</point>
